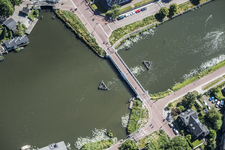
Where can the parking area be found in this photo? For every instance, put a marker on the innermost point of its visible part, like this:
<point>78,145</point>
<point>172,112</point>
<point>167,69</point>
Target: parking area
<point>131,13</point>
<point>211,103</point>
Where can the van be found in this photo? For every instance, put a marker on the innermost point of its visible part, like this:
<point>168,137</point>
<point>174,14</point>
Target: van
<point>222,103</point>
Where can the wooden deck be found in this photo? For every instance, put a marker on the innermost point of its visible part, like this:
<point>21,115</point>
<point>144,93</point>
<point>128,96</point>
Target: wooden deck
<point>30,28</point>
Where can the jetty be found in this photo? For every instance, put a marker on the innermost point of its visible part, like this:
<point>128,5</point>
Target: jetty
<point>102,86</point>
<point>30,28</point>
<point>147,64</point>
<point>131,101</point>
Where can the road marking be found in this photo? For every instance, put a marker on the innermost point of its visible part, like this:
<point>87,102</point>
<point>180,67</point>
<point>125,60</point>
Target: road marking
<point>103,30</point>
<point>73,4</point>
<point>110,28</point>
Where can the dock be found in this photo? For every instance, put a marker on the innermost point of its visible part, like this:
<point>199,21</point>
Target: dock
<point>131,101</point>
<point>147,64</point>
<point>30,28</point>
<point>102,86</point>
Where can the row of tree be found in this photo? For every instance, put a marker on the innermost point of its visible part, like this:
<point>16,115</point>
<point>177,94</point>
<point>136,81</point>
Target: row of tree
<point>7,7</point>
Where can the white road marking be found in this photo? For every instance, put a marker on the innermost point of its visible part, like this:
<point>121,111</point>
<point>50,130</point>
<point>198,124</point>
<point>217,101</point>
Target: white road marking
<point>110,28</point>
<point>103,30</point>
<point>73,4</point>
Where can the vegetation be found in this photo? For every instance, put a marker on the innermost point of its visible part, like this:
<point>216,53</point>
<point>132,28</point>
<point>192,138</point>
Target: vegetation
<point>170,104</point>
<point>200,75</point>
<point>109,133</point>
<point>173,9</point>
<point>74,23</point>
<point>211,83</point>
<point>16,2</point>
<point>128,145</point>
<point>160,95</point>
<point>215,118</point>
<point>98,145</point>
<point>34,13</point>
<point>136,115</point>
<point>114,12</point>
<point>196,143</point>
<point>20,30</point>
<point>94,6</point>
<point>5,34</point>
<point>120,32</point>
<point>122,10</point>
<point>217,92</point>
<point>163,12</point>
<point>141,3</point>
<point>212,134</point>
<point>189,100</point>
<point>177,143</point>
<point>6,8</point>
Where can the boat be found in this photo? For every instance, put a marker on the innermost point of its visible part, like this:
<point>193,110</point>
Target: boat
<point>127,48</point>
<point>53,17</point>
<point>26,147</point>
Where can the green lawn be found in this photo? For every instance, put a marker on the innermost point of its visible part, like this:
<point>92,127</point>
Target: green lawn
<point>211,83</point>
<point>142,3</point>
<point>196,142</point>
<point>125,9</point>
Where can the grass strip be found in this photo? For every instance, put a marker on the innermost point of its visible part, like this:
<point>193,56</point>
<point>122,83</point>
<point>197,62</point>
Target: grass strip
<point>31,16</point>
<point>74,23</point>
<point>196,143</point>
<point>104,144</point>
<point>211,83</point>
<point>126,9</point>
<point>142,3</point>
<point>160,95</point>
<point>198,76</point>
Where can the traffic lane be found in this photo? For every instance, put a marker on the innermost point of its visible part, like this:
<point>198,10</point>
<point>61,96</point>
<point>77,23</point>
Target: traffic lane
<point>152,10</point>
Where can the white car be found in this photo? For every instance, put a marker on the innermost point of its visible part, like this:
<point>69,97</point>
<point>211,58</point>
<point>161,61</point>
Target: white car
<point>208,107</point>
<point>222,103</point>
<point>127,15</point>
<point>217,104</point>
<point>132,13</point>
<point>175,131</point>
<point>205,103</point>
<point>171,125</point>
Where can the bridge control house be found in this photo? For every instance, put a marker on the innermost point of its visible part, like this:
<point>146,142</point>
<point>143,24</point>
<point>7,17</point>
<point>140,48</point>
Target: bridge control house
<point>192,123</point>
<point>16,42</point>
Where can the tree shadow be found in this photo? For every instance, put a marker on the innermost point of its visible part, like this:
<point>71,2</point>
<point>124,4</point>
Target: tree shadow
<point>158,17</point>
<point>166,1</point>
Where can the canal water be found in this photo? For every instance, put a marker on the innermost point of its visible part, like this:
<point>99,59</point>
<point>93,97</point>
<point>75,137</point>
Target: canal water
<point>179,48</point>
<point>49,90</point>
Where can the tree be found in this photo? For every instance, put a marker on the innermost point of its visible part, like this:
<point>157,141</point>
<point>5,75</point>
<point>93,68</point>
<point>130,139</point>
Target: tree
<point>128,145</point>
<point>173,112</point>
<point>10,35</point>
<point>173,9</point>
<point>188,136</point>
<point>181,108</point>
<point>114,12</point>
<point>215,118</point>
<point>217,125</point>
<point>4,33</point>
<point>189,100</point>
<point>178,143</point>
<point>163,12</point>
<point>16,2</point>
<point>6,8</point>
<point>212,134</point>
<point>199,96</point>
<point>211,144</point>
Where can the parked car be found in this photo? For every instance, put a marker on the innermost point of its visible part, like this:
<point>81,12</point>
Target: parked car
<point>211,98</point>
<point>175,131</point>
<point>222,103</point>
<point>205,103</point>
<point>143,8</point>
<point>208,107</point>
<point>171,125</point>
<point>137,11</point>
<point>132,13</point>
<point>205,111</point>
<point>217,104</point>
<point>120,17</point>
<point>127,15</point>
<point>214,101</point>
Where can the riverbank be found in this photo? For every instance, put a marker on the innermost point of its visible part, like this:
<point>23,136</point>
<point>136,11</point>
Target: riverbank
<point>74,23</point>
<point>121,34</point>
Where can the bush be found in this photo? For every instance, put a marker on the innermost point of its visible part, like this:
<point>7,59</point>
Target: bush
<point>170,104</point>
<point>181,108</point>
<point>110,134</point>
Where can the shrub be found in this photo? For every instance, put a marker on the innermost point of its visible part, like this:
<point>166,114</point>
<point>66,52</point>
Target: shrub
<point>170,104</point>
<point>181,108</point>
<point>110,134</point>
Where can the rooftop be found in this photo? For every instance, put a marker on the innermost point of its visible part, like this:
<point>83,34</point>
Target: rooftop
<point>25,10</point>
<point>55,146</point>
<point>10,24</point>
<point>16,41</point>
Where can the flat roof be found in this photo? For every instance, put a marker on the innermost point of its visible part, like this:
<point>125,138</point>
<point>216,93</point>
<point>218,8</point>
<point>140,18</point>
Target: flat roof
<point>55,146</point>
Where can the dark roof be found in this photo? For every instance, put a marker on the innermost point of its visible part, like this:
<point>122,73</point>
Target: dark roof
<point>16,41</point>
<point>190,118</point>
<point>55,146</point>
<point>25,10</point>
<point>10,24</point>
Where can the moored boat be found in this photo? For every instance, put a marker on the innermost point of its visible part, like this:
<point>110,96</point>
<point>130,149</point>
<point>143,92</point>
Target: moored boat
<point>26,147</point>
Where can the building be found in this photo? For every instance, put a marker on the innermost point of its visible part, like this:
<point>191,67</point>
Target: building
<point>25,10</point>
<point>194,126</point>
<point>55,146</point>
<point>16,42</point>
<point>10,24</point>
<point>222,147</point>
<point>112,2</point>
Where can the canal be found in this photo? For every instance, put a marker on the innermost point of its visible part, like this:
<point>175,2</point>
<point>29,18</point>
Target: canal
<point>49,90</point>
<point>178,48</point>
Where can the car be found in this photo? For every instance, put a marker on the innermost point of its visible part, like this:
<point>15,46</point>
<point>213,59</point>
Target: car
<point>175,131</point>
<point>205,103</point>
<point>208,107</point>
<point>171,125</point>
<point>120,17</point>
<point>217,104</point>
<point>137,11</point>
<point>221,103</point>
<point>132,13</point>
<point>127,15</point>
<point>214,101</point>
<point>143,9</point>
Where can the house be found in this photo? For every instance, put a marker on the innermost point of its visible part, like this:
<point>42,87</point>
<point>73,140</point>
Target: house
<point>10,24</point>
<point>25,10</point>
<point>16,42</point>
<point>194,126</point>
<point>55,146</point>
<point>222,147</point>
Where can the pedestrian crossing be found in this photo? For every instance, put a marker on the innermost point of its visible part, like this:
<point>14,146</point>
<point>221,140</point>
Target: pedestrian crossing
<point>161,4</point>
